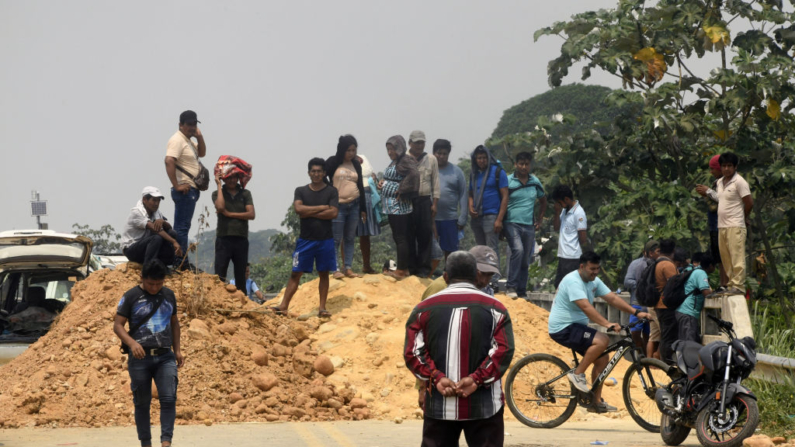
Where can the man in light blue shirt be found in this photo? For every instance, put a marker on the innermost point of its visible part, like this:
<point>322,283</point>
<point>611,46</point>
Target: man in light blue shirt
<point>571,311</point>
<point>252,291</point>
<point>570,220</point>
<point>697,288</point>
<point>524,189</point>
<point>451,210</point>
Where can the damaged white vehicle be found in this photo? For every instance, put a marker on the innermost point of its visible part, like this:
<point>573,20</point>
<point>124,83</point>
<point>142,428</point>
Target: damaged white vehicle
<point>37,271</point>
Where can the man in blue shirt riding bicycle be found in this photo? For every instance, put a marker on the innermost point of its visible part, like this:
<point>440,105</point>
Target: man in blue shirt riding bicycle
<point>571,311</point>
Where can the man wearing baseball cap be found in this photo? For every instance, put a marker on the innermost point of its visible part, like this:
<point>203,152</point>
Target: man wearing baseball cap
<point>424,214</point>
<point>147,234</point>
<point>486,260</point>
<point>182,166</point>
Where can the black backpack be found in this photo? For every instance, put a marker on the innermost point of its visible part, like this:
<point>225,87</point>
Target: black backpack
<point>646,292</point>
<point>674,291</point>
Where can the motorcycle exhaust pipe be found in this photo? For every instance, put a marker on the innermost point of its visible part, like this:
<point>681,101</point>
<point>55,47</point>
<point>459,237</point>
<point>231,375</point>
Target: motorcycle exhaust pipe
<point>664,400</point>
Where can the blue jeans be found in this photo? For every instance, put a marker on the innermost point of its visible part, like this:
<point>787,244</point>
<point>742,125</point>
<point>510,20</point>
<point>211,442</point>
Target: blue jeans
<point>163,369</point>
<point>344,226</point>
<point>483,228</point>
<point>184,205</point>
<point>521,239</point>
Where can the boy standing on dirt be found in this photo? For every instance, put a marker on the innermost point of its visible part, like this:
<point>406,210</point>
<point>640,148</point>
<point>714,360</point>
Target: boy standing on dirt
<point>317,204</point>
<point>151,310</point>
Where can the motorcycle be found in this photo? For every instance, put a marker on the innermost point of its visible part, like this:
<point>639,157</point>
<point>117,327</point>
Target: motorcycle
<point>708,394</point>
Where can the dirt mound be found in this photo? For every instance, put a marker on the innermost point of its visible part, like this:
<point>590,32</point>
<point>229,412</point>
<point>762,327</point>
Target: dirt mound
<point>367,330</point>
<point>241,362</point>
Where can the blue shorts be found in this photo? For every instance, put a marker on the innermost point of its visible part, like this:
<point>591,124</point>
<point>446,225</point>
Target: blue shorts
<point>448,234</point>
<point>309,254</point>
<point>577,336</point>
<point>632,319</point>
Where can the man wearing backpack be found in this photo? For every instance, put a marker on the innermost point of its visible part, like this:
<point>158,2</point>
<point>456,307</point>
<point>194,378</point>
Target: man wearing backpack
<point>182,167</point>
<point>641,335</point>
<point>488,200</point>
<point>696,290</point>
<point>664,270</point>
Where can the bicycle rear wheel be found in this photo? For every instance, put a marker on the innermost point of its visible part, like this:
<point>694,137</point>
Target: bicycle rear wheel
<point>538,393</point>
<point>640,384</point>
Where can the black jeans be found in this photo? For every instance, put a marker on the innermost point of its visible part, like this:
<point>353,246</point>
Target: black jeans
<point>669,333</point>
<point>422,229</point>
<point>163,369</point>
<point>478,432</point>
<point>152,246</point>
<point>401,230</point>
<point>235,249</point>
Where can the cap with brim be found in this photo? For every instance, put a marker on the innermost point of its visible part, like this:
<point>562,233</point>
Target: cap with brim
<point>714,162</point>
<point>486,259</point>
<point>188,117</point>
<point>152,191</point>
<point>651,245</point>
<point>417,135</point>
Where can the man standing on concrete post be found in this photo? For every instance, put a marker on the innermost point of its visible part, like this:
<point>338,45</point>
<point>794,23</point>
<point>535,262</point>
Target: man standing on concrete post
<point>182,166</point>
<point>459,342</point>
<point>451,213</point>
<point>734,205</point>
<point>711,197</point>
<point>424,206</point>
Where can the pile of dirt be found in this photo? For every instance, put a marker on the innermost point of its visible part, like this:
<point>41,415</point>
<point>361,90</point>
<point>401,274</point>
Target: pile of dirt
<point>367,331</point>
<point>242,363</point>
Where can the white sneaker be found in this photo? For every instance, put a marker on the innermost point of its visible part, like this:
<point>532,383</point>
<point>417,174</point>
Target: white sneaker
<point>511,293</point>
<point>579,381</point>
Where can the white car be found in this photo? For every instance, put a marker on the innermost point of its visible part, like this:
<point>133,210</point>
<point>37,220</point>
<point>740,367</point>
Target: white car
<point>37,271</point>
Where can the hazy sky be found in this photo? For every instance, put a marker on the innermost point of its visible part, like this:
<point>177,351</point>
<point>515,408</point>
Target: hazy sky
<point>91,91</point>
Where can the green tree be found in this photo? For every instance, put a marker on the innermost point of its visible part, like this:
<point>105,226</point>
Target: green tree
<point>106,240</point>
<point>639,178</point>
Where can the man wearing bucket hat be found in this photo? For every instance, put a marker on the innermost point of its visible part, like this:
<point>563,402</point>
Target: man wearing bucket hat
<point>147,234</point>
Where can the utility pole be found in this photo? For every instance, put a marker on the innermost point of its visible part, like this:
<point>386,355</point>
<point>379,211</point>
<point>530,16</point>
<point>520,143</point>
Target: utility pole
<point>38,208</point>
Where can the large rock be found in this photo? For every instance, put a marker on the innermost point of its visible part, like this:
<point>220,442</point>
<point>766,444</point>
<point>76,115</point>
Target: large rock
<point>227,328</point>
<point>358,403</point>
<point>281,351</point>
<point>260,357</point>
<point>324,366</point>
<point>321,393</point>
<point>264,381</point>
<point>758,441</point>
<point>303,364</point>
<point>198,329</point>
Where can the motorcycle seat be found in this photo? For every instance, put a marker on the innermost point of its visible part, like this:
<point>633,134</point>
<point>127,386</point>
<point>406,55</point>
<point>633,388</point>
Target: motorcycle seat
<point>687,357</point>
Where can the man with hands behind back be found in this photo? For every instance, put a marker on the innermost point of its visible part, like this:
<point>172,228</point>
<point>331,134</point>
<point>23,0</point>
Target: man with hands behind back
<point>460,322</point>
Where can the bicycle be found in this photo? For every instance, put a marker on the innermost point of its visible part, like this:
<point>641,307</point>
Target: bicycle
<point>537,386</point>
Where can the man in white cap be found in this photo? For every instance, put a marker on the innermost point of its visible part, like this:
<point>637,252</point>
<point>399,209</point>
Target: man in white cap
<point>147,234</point>
<point>424,214</point>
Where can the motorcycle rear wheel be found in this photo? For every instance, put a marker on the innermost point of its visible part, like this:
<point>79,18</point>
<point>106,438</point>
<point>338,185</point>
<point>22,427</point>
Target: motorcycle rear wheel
<point>671,432</point>
<point>742,407</point>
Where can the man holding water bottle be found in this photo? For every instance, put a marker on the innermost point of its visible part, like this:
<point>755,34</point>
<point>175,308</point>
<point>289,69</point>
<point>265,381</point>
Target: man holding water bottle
<point>451,210</point>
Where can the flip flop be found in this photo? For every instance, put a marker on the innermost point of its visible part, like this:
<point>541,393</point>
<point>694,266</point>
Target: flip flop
<point>278,311</point>
<point>338,275</point>
<point>324,314</point>
<point>352,274</point>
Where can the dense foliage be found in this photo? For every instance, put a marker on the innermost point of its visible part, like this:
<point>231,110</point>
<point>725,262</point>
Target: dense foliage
<point>637,181</point>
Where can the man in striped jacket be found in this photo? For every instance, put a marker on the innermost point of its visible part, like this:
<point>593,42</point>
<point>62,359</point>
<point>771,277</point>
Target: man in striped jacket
<point>460,343</point>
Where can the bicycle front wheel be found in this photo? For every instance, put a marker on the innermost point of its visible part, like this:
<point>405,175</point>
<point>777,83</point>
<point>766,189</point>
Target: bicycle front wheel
<point>538,393</point>
<point>640,384</point>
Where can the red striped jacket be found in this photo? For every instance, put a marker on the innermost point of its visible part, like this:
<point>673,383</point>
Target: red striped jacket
<point>460,332</point>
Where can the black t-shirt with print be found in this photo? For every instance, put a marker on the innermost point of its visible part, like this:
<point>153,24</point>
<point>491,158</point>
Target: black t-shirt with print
<point>137,303</point>
<point>312,228</point>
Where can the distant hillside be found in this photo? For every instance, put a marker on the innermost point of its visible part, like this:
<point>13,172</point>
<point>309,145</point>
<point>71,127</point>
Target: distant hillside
<point>585,102</point>
<point>259,248</point>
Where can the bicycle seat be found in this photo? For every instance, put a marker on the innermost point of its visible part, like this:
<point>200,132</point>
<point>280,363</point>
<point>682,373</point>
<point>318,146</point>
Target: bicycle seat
<point>687,357</point>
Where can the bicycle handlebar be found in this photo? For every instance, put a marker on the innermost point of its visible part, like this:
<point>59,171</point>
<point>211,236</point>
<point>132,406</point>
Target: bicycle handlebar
<point>629,326</point>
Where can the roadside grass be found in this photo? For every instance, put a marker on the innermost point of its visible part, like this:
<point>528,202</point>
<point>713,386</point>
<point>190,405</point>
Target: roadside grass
<point>774,336</point>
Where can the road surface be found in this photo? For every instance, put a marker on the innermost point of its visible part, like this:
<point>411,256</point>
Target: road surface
<point>332,434</point>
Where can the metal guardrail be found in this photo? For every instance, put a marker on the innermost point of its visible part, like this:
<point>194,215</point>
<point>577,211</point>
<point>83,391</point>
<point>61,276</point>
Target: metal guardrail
<point>732,308</point>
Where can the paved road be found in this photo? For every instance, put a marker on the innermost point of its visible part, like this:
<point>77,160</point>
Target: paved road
<point>337,434</point>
